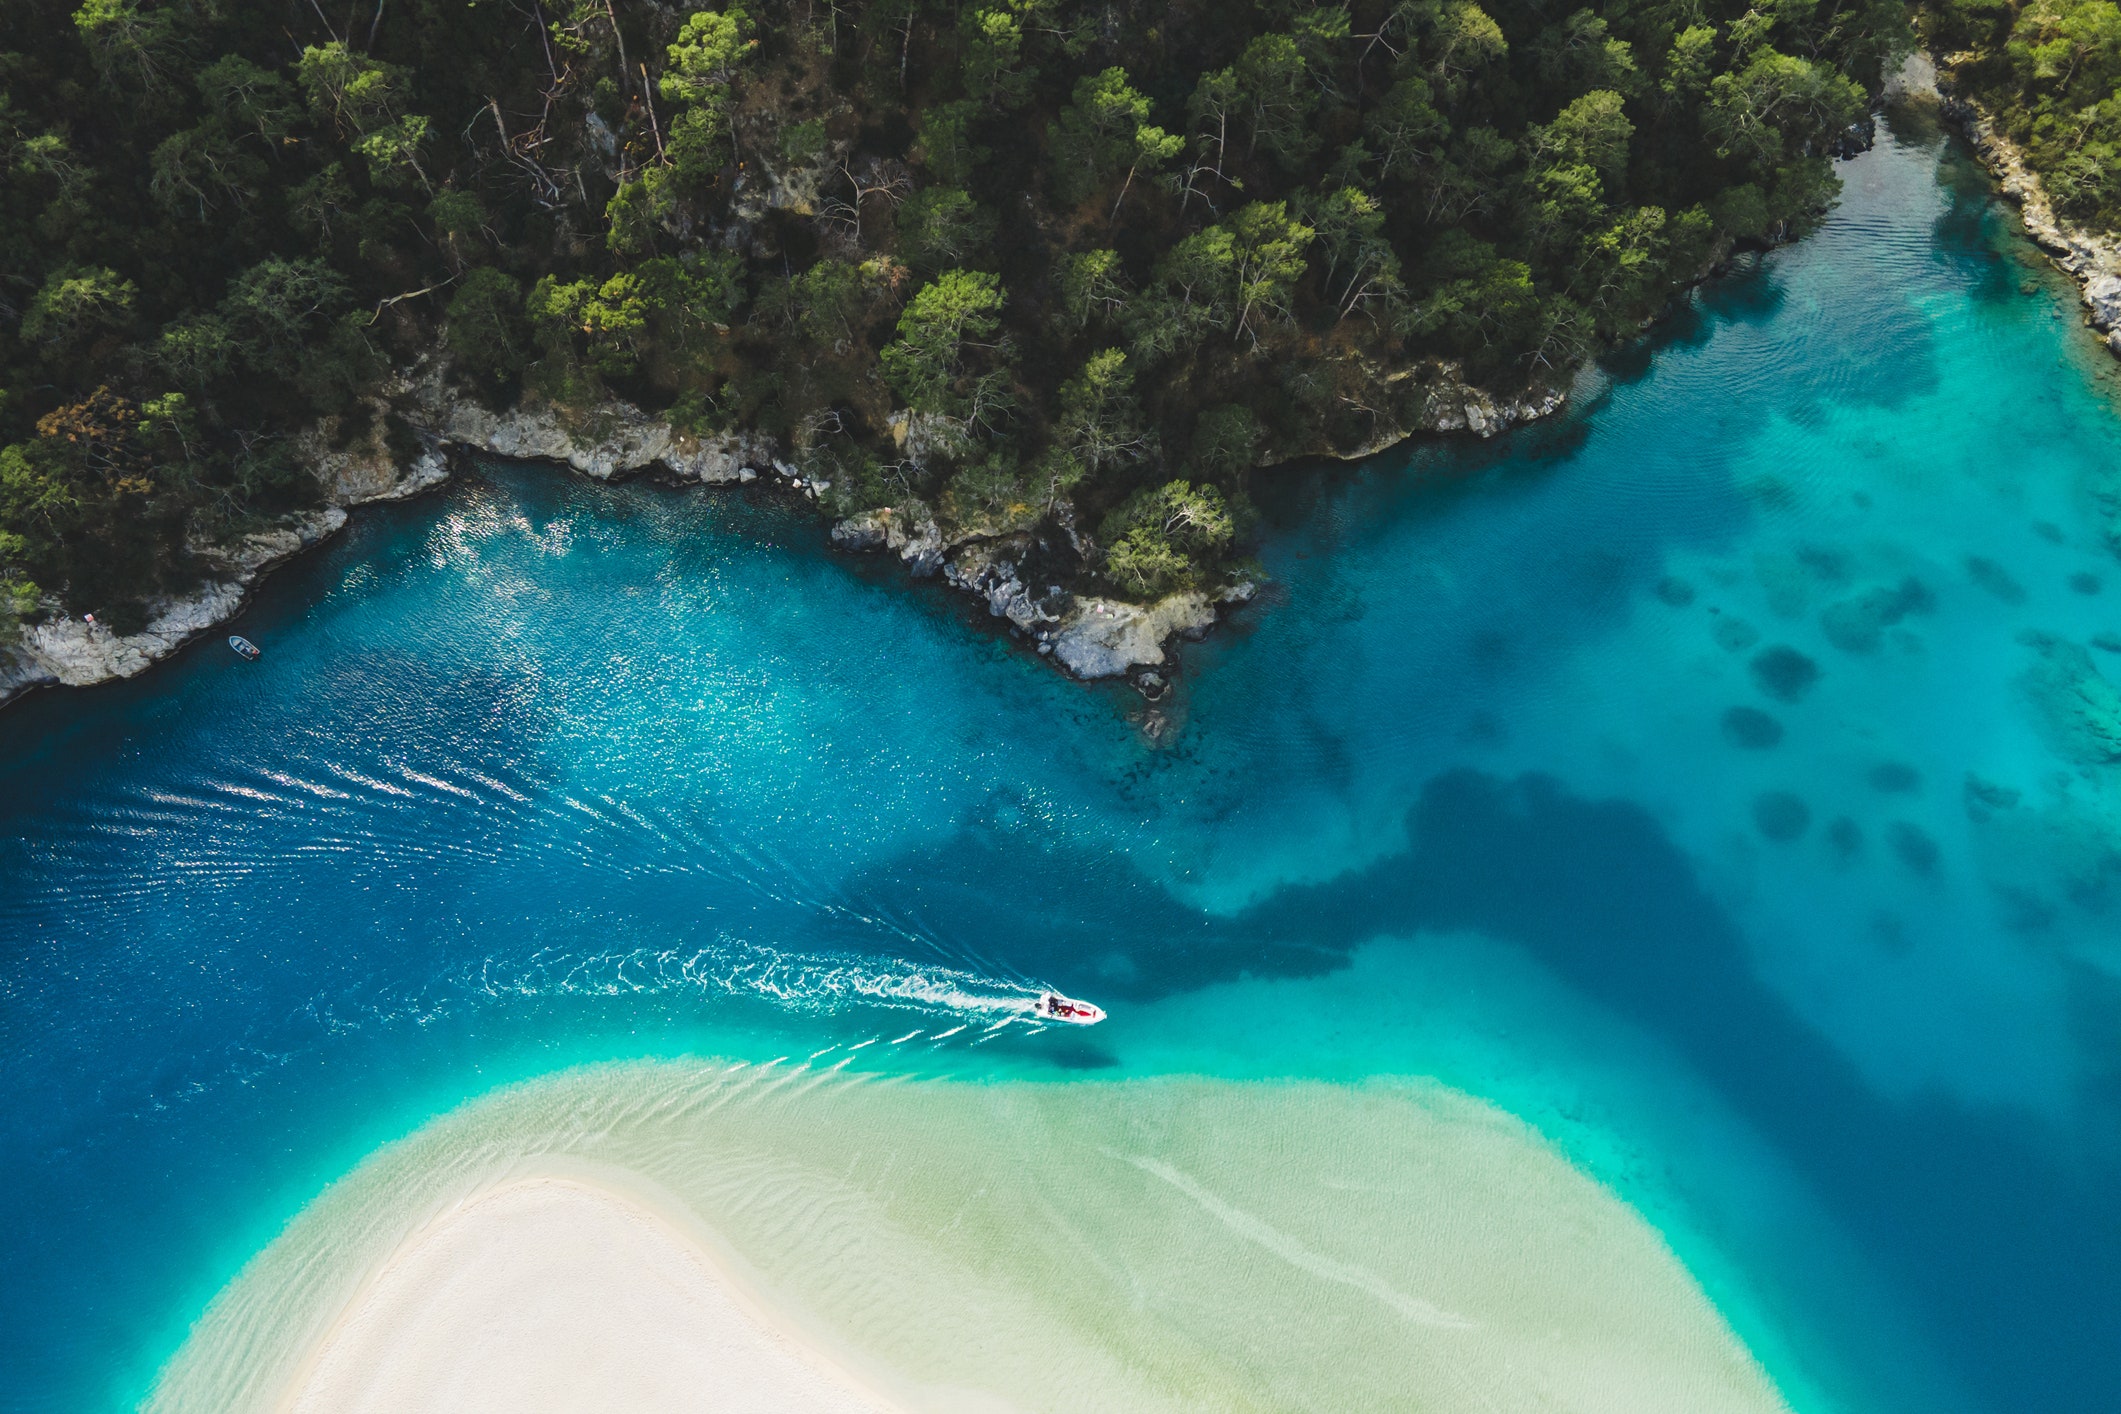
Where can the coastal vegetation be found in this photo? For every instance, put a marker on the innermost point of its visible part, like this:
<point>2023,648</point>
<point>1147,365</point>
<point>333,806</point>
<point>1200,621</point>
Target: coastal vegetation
<point>1001,263</point>
<point>2049,72</point>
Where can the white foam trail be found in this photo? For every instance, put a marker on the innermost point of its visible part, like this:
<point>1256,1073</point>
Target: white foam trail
<point>437,783</point>
<point>493,785</point>
<point>360,780</point>
<point>807,984</point>
<point>322,792</point>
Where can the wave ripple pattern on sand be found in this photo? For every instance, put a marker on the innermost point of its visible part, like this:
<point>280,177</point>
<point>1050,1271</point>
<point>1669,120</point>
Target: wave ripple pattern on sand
<point>960,1246</point>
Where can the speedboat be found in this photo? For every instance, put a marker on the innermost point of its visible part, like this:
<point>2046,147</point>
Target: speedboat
<point>243,646</point>
<point>1052,1006</point>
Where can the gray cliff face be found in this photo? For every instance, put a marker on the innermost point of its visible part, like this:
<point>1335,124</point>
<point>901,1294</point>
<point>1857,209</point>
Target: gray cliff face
<point>913,538</point>
<point>365,469</point>
<point>1091,637</point>
<point>614,440</point>
<point>1456,406</point>
<point>1104,638</point>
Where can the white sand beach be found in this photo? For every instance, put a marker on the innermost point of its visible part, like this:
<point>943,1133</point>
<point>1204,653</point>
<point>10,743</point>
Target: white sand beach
<point>722,1235</point>
<point>549,1296</point>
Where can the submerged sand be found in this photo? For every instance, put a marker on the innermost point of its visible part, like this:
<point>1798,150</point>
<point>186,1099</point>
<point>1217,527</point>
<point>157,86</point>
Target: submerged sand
<point>725,1236</point>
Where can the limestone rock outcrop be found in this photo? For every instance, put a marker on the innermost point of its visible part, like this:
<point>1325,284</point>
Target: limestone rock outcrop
<point>1105,638</point>
<point>76,653</point>
<point>614,439</point>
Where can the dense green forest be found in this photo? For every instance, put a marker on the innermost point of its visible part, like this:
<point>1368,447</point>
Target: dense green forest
<point>2050,72</point>
<point>1110,254</point>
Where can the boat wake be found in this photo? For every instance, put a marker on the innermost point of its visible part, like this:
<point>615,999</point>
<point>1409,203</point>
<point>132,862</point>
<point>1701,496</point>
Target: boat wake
<point>809,984</point>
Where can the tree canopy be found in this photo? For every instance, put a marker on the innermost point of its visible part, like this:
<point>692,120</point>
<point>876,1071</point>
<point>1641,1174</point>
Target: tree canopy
<point>989,254</point>
<point>2050,70</point>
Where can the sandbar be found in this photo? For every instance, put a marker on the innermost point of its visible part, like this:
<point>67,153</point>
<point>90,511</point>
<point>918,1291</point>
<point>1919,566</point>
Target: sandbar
<point>549,1295</point>
<point>711,1235</point>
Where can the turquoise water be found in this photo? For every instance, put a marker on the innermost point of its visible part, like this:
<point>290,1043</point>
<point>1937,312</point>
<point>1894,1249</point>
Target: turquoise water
<point>1723,779</point>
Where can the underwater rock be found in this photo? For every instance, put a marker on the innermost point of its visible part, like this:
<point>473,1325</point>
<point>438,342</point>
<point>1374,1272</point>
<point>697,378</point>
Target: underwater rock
<point>1995,579</point>
<point>1785,674</point>
<point>1735,635</point>
<point>1983,797</point>
<point>1990,793</point>
<point>2108,643</point>
<point>1846,838</point>
<point>1780,815</point>
<point>1674,591</point>
<point>1914,846</point>
<point>2080,709</point>
<point>1751,728</point>
<point>1890,934</point>
<point>2021,911</point>
<point>1895,777</point>
<point>1484,729</point>
<point>1787,580</point>
<point>2085,582</point>
<point>1857,625</point>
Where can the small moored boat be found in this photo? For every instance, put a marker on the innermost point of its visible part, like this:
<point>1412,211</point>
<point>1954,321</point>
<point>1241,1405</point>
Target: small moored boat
<point>243,646</point>
<point>1052,1006</point>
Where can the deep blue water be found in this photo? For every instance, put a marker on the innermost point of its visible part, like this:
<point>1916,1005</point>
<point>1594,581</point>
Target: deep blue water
<point>1719,776</point>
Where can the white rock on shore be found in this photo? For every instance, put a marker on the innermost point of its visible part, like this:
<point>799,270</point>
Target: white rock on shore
<point>1465,408</point>
<point>1091,638</point>
<point>990,570</point>
<point>616,439</point>
<point>914,538</point>
<point>1104,638</point>
<point>2094,260</point>
<point>74,653</point>
<point>367,470</point>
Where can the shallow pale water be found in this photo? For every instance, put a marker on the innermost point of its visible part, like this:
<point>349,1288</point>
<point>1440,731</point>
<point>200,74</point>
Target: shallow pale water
<point>1170,1243</point>
<point>1722,780</point>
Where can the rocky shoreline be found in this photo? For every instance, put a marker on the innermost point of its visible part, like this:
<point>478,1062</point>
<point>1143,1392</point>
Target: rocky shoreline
<point>1088,636</point>
<point>68,652</point>
<point>2092,260</point>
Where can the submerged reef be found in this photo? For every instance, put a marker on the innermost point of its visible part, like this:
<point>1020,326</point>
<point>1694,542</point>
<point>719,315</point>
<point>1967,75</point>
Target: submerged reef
<point>2076,705</point>
<point>1858,625</point>
<point>1751,728</point>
